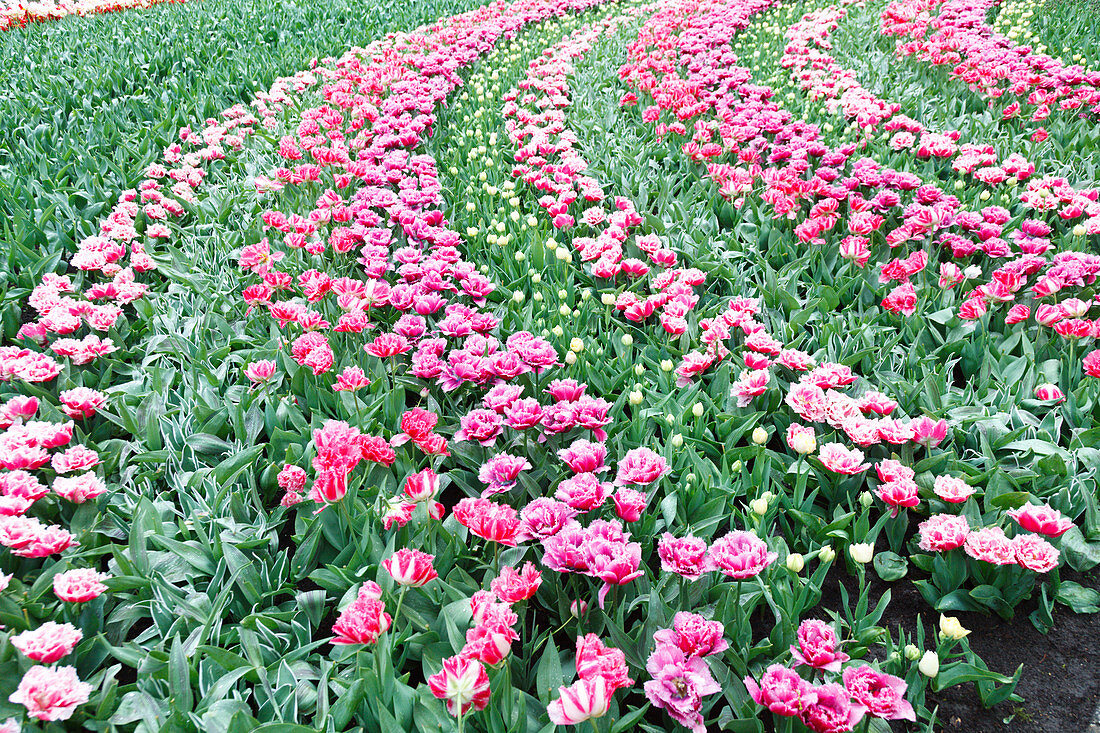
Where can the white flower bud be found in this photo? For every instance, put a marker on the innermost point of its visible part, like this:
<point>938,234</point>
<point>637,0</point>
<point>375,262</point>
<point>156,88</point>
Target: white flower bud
<point>862,552</point>
<point>929,664</point>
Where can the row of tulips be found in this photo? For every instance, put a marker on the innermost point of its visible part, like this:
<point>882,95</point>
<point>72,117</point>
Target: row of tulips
<point>546,158</point>
<point>457,353</point>
<point>1017,79</point>
<point>815,397</point>
<point>19,14</point>
<point>141,218</point>
<point>895,488</point>
<point>49,464</point>
<point>602,550</point>
<point>926,211</point>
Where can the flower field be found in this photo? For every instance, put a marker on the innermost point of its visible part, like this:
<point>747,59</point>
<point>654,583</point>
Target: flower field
<point>619,364</point>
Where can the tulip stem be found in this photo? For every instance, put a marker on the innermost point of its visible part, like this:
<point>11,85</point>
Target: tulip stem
<point>460,719</point>
<point>346,515</point>
<point>737,609</point>
<point>595,728</point>
<point>400,600</point>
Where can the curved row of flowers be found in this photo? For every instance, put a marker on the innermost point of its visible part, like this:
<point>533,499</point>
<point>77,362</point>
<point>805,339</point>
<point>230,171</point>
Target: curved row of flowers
<point>19,14</point>
<point>70,304</point>
<point>991,64</point>
<point>544,138</point>
<point>450,345</point>
<point>781,153</point>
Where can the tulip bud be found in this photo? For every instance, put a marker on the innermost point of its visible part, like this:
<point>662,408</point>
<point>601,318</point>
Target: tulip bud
<point>578,608</point>
<point>795,562</point>
<point>862,552</point>
<point>666,365</point>
<point>677,440</point>
<point>736,466</point>
<point>520,257</point>
<point>607,299</point>
<point>912,653</point>
<point>759,506</point>
<point>929,664</point>
<point>951,628</point>
<point>564,310</point>
<point>576,345</point>
<point>570,358</point>
<point>557,331</point>
<point>1079,230</point>
<point>627,340</point>
<point>518,296</point>
<point>635,397</point>
<point>865,499</point>
<point>802,441</point>
<point>826,554</point>
<point>697,409</point>
<point>760,436</point>
<point>639,369</point>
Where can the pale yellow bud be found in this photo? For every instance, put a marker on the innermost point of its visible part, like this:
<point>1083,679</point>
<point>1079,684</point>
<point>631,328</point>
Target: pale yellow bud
<point>929,664</point>
<point>951,628</point>
<point>862,552</point>
<point>759,436</point>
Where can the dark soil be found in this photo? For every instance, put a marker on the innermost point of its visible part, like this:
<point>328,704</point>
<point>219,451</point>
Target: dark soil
<point>1060,684</point>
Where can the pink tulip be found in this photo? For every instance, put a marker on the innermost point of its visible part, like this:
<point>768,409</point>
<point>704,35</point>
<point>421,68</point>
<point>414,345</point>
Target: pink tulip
<point>410,567</point>
<point>584,700</point>
<point>463,683</point>
<point>1041,519</point>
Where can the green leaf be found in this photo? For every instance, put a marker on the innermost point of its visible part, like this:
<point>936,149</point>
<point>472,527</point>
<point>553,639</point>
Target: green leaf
<point>179,678</point>
<point>549,676</point>
<point>957,673</point>
<point>1080,554</point>
<point>1078,597</point>
<point>890,566</point>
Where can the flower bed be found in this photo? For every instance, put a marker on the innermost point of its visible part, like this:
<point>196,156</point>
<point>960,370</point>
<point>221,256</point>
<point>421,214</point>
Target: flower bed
<point>414,483</point>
